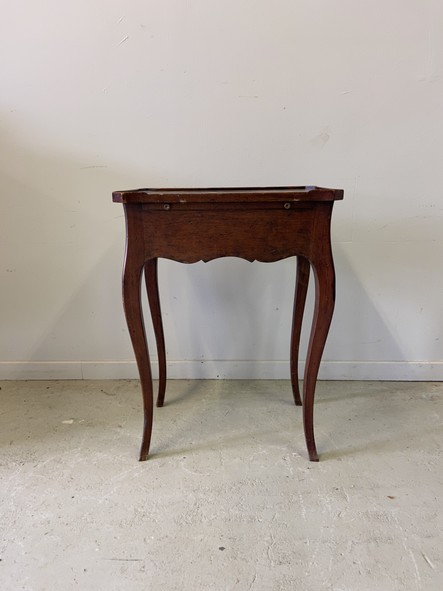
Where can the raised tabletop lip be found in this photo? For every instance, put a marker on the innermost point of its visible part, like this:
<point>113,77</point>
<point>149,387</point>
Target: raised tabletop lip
<point>227,194</point>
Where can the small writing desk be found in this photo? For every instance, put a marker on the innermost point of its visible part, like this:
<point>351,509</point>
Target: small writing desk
<point>263,224</point>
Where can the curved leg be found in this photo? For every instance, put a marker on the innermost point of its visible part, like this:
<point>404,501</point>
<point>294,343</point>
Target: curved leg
<point>324,306</point>
<point>151,278</point>
<point>134,316</point>
<point>301,289</point>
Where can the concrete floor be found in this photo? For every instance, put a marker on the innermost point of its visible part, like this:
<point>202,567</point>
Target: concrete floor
<point>228,499</point>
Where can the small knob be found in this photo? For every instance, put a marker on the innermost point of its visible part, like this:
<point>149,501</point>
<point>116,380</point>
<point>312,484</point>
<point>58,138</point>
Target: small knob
<point>287,206</point>
<point>166,206</point>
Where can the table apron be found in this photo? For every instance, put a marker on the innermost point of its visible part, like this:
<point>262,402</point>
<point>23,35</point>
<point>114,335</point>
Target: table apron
<point>267,234</point>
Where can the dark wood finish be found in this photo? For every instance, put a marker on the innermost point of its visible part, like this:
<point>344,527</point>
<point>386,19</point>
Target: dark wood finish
<point>151,278</point>
<point>301,289</point>
<point>264,224</point>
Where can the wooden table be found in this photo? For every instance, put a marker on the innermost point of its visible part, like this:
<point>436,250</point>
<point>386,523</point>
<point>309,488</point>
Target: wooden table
<point>263,224</point>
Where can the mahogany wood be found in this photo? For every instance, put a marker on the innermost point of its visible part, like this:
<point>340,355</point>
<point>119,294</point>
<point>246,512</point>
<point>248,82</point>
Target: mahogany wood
<point>264,224</point>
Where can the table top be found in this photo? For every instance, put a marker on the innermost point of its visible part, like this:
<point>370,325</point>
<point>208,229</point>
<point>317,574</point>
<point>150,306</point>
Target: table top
<point>227,195</point>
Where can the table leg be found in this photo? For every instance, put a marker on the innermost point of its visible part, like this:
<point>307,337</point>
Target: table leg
<point>324,275</point>
<point>301,289</point>
<point>134,317</point>
<point>151,278</point>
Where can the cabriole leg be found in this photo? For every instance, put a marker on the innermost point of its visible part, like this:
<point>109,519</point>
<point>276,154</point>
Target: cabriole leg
<point>301,288</point>
<point>134,316</point>
<point>324,307</point>
<point>151,278</point>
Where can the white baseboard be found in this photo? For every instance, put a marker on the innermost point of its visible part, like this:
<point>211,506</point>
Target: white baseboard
<point>222,369</point>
